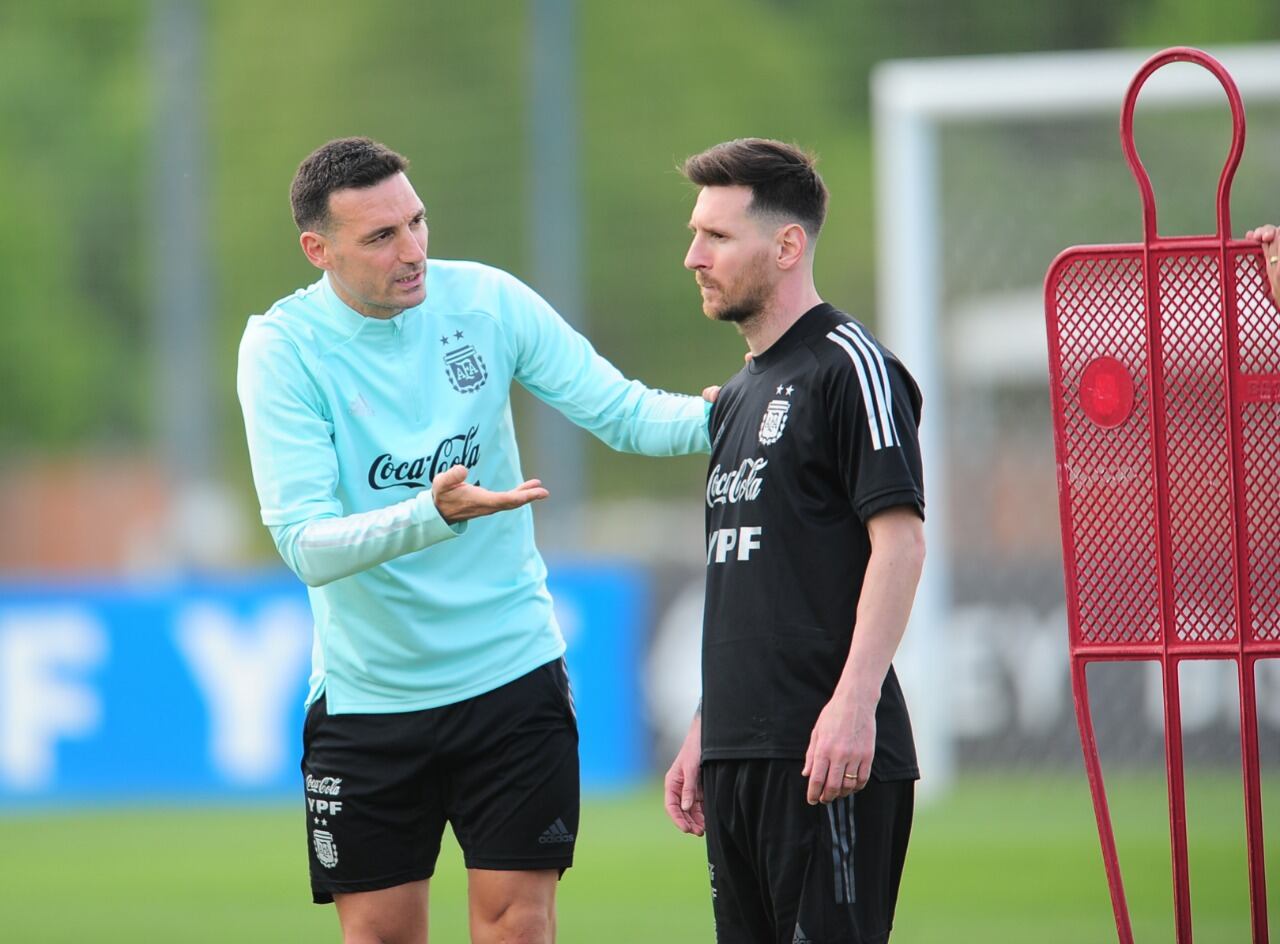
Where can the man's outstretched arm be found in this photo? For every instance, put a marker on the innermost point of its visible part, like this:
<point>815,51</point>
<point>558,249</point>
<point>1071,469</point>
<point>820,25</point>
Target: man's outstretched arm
<point>322,550</point>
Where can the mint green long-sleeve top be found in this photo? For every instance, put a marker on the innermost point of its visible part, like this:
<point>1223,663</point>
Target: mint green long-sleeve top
<point>348,419</point>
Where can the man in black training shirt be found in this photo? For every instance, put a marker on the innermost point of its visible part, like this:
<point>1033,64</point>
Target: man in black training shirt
<point>800,765</point>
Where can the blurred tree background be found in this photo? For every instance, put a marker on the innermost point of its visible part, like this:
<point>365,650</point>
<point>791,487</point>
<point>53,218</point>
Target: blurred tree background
<point>448,85</point>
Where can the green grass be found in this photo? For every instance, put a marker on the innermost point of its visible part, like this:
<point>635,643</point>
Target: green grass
<point>996,861</point>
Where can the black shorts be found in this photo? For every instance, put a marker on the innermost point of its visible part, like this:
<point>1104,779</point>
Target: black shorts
<point>784,872</point>
<point>501,768</point>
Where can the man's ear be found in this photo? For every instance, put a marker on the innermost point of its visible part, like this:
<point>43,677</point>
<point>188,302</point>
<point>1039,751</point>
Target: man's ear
<point>316,248</point>
<point>791,243</point>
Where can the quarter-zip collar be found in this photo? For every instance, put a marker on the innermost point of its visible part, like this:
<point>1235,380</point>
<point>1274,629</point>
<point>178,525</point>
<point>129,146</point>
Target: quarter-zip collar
<point>349,322</point>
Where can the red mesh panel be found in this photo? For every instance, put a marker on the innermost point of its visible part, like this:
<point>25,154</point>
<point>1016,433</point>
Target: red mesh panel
<point>1262,486</point>
<point>1102,312</point>
<point>1259,353</point>
<point>1193,348</point>
<point>1256,317</point>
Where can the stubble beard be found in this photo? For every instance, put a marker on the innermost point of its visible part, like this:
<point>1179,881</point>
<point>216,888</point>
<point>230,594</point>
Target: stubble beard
<point>739,314</point>
<point>746,307</point>
<point>748,302</point>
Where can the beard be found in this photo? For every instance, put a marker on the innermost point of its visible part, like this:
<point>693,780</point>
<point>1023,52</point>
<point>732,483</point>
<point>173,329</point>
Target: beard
<point>745,301</point>
<point>740,310</point>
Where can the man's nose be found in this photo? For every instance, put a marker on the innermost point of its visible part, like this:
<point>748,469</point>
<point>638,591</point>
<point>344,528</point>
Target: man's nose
<point>411,250</point>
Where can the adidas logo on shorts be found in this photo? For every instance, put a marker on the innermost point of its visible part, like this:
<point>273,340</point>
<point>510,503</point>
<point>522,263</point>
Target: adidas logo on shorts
<point>556,832</point>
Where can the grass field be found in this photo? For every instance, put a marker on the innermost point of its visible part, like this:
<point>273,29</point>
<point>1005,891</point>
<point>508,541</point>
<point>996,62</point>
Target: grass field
<point>996,861</point>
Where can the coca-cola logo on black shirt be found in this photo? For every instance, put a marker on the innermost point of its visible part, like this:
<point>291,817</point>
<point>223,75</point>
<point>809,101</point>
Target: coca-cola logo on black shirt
<point>462,449</point>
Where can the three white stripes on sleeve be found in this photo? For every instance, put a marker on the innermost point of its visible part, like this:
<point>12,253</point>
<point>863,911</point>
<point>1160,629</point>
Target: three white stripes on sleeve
<point>874,380</point>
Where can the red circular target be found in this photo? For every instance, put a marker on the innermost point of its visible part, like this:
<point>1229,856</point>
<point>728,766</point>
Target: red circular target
<point>1106,392</point>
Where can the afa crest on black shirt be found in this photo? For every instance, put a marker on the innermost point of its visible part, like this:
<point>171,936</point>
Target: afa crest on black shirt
<point>809,441</point>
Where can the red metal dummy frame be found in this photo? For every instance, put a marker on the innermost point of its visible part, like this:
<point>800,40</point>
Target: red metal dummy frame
<point>1164,364</point>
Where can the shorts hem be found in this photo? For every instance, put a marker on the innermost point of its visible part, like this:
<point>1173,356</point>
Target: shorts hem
<point>518,864</point>
<point>324,896</point>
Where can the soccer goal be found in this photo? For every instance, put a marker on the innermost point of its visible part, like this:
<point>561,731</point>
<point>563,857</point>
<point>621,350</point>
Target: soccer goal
<point>985,168</point>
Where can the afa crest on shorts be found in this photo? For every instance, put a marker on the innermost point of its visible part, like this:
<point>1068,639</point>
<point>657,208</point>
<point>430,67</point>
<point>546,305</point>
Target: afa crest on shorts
<point>326,850</point>
<point>774,421</point>
<point>465,369</point>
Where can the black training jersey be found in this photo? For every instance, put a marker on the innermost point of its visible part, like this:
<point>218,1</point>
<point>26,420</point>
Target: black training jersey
<point>810,440</point>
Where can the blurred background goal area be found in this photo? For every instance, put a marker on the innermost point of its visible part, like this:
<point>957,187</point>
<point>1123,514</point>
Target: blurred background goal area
<point>985,173</point>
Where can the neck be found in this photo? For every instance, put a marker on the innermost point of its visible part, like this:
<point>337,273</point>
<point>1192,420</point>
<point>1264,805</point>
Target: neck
<point>783,309</point>
<point>369,311</point>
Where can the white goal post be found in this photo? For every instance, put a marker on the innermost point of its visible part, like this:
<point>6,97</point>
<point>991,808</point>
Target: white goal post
<point>912,101</point>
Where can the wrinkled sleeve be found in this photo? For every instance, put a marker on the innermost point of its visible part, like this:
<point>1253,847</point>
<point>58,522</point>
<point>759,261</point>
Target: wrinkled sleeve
<point>295,472</point>
<point>560,367</point>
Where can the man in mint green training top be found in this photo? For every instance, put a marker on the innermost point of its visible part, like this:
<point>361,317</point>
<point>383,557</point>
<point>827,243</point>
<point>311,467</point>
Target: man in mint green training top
<point>376,404</point>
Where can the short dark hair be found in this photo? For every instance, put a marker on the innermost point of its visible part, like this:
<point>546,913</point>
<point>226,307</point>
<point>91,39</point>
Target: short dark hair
<point>342,163</point>
<point>784,180</point>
